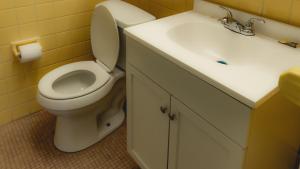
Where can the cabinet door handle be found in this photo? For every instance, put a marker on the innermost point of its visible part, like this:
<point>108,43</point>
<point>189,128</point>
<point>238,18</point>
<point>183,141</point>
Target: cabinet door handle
<point>163,109</point>
<point>172,116</point>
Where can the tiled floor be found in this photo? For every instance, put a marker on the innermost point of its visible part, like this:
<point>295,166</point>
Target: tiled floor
<point>28,144</point>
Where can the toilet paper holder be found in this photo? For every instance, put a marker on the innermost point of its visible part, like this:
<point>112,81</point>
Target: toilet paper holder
<point>15,45</point>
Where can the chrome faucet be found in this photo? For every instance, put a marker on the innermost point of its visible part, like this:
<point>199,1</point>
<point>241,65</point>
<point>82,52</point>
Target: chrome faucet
<point>232,24</point>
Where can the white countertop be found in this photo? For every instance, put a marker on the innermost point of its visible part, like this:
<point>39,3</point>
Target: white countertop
<point>248,78</point>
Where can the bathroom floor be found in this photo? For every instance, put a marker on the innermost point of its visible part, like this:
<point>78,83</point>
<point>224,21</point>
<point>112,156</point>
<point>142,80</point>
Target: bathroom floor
<point>28,144</point>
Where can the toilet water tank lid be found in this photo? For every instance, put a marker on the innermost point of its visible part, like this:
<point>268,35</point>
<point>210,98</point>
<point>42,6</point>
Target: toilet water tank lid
<point>126,14</point>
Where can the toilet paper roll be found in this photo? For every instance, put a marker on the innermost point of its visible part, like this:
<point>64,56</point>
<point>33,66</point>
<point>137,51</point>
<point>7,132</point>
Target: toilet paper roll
<point>30,52</point>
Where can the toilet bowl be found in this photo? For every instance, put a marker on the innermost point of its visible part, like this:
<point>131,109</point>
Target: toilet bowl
<point>88,96</point>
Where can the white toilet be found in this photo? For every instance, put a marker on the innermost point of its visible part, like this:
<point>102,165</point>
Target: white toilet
<point>87,97</point>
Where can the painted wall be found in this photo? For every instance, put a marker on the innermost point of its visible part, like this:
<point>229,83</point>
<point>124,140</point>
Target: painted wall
<point>283,10</point>
<point>274,137</point>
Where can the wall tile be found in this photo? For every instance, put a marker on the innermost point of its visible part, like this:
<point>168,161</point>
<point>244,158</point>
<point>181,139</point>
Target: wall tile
<point>63,28</point>
<point>282,10</point>
<point>23,95</point>
<point>162,8</point>
<point>277,9</point>
<point>46,27</point>
<point>49,42</point>
<point>19,3</point>
<point>5,54</point>
<point>45,11</point>
<point>44,1</point>
<point>231,3</point>
<point>80,20</point>
<point>13,84</point>
<point>5,117</point>
<point>6,4</point>
<point>26,14</point>
<point>10,69</point>
<point>254,6</point>
<point>4,101</point>
<point>62,24</point>
<point>79,35</point>
<point>8,18</point>
<point>8,34</point>
<point>61,6</point>
<point>295,13</point>
<point>63,38</point>
<point>24,109</point>
<point>28,30</point>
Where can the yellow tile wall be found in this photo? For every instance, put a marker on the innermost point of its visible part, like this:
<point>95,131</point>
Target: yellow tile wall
<point>283,10</point>
<point>62,25</point>
<point>162,8</point>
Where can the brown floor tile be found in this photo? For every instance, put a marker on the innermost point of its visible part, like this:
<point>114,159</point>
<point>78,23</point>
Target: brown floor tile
<point>28,144</point>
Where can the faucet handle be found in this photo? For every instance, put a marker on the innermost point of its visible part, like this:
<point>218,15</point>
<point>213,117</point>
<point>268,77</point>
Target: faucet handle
<point>229,13</point>
<point>251,21</point>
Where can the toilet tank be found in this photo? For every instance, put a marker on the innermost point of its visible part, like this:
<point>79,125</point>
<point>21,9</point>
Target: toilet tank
<point>126,15</point>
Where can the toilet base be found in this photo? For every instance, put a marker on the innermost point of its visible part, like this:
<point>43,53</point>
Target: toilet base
<point>80,132</point>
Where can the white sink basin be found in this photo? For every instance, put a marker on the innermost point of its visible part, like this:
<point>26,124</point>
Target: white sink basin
<point>214,43</point>
<point>247,68</point>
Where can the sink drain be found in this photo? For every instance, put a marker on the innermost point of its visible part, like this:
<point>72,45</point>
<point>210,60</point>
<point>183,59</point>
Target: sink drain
<point>222,62</point>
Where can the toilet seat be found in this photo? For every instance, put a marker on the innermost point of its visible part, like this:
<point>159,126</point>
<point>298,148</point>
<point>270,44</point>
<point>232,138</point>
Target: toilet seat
<point>82,101</point>
<point>73,80</point>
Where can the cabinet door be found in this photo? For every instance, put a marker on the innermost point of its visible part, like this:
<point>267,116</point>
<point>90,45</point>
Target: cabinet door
<point>196,144</point>
<point>148,122</point>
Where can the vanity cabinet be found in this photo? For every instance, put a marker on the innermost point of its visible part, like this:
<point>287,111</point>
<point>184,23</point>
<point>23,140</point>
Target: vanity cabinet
<point>163,133</point>
<point>202,125</point>
<point>178,121</point>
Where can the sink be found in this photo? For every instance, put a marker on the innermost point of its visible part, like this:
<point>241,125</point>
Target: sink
<point>222,46</point>
<point>245,67</point>
<point>212,42</point>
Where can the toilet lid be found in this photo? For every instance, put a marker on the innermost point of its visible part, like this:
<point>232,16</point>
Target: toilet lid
<point>105,37</point>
